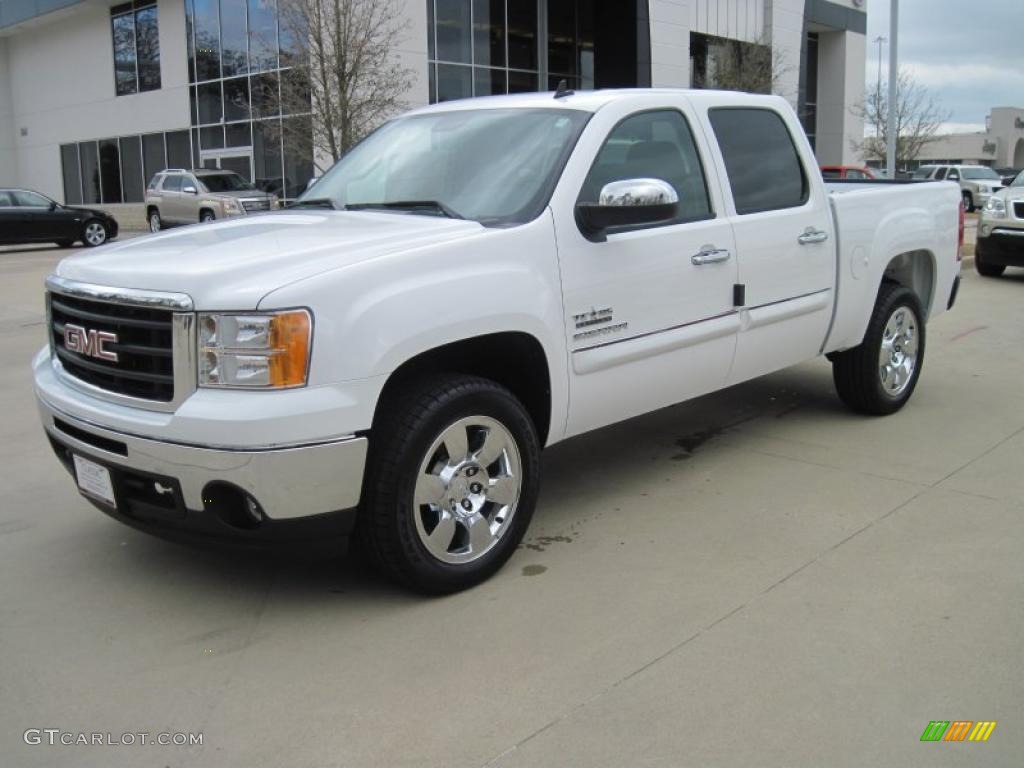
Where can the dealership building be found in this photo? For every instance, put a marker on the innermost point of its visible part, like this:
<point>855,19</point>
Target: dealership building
<point>1000,145</point>
<point>97,95</point>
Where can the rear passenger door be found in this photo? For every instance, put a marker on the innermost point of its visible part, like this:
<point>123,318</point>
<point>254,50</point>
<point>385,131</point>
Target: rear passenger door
<point>784,238</point>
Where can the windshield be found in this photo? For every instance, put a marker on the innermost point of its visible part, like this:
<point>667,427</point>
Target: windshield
<point>224,182</point>
<point>923,173</point>
<point>495,166</point>
<point>979,173</point>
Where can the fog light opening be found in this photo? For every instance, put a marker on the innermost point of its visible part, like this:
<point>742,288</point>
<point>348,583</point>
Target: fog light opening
<point>232,506</point>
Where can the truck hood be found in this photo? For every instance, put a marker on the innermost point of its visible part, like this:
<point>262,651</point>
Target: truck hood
<point>233,264</point>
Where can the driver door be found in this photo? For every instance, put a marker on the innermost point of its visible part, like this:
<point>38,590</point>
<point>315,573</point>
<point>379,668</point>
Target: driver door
<point>649,311</point>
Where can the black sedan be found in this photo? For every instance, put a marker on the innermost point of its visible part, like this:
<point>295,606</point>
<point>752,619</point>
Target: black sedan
<point>29,217</point>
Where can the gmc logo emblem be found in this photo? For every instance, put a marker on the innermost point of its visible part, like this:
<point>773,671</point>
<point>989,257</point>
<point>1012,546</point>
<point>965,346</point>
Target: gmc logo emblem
<point>89,343</point>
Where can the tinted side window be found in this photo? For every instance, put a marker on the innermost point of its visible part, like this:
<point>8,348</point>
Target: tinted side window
<point>653,145</point>
<point>172,183</point>
<point>940,174</point>
<point>29,199</point>
<point>6,201</point>
<point>765,172</point>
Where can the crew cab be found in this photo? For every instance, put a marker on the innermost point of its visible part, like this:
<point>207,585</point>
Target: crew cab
<point>475,281</point>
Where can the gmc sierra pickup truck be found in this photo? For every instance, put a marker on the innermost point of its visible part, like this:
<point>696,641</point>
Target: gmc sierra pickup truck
<point>473,282</point>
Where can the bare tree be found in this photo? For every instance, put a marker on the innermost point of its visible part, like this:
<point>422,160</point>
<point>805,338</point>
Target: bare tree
<point>343,72</point>
<point>918,120</point>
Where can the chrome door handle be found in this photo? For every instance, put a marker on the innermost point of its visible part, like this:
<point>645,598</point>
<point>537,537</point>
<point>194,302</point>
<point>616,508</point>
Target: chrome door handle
<point>811,236</point>
<point>710,255</point>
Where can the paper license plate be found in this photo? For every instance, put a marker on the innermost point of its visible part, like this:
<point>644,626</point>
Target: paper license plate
<point>94,480</point>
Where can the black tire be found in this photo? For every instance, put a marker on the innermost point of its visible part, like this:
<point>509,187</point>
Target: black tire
<point>968,202</point>
<point>156,223</point>
<point>984,268</point>
<point>856,371</point>
<point>406,428</point>
<point>205,217</point>
<point>94,233</point>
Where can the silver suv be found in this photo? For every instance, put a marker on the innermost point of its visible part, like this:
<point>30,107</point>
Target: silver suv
<point>977,182</point>
<point>179,196</point>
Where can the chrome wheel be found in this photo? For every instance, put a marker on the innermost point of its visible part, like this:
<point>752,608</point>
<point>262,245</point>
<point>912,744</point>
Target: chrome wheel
<point>206,217</point>
<point>154,222</point>
<point>95,233</point>
<point>897,357</point>
<point>467,489</point>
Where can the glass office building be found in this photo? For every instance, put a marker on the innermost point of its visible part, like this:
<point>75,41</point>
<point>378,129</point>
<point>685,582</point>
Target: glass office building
<point>238,56</point>
<point>97,94</point>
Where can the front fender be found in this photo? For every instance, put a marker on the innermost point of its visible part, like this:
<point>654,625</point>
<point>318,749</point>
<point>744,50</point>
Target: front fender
<point>372,316</point>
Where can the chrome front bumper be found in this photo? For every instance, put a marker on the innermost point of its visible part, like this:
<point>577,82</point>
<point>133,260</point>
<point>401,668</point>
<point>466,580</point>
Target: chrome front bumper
<point>288,482</point>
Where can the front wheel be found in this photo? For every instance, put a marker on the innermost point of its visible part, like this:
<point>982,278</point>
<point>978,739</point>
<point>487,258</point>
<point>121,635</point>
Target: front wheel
<point>984,268</point>
<point>94,233</point>
<point>878,376</point>
<point>452,481</point>
<point>206,217</point>
<point>968,202</point>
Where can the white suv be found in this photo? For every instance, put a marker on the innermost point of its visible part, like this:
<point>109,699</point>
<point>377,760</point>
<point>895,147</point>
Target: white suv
<point>977,182</point>
<point>179,196</point>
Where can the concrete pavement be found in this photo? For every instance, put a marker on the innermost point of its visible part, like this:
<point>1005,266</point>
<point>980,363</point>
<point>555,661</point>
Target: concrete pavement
<point>755,578</point>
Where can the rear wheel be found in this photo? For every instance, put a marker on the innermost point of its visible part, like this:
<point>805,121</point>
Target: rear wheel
<point>452,480</point>
<point>879,376</point>
<point>94,233</point>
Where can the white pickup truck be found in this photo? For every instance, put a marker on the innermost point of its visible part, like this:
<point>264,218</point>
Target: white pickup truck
<point>473,282</point>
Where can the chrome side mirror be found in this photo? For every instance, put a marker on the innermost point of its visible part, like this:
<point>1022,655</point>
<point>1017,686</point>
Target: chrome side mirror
<point>627,203</point>
<point>189,190</point>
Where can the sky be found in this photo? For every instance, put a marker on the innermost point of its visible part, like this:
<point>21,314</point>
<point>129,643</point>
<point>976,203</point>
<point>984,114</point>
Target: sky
<point>968,53</point>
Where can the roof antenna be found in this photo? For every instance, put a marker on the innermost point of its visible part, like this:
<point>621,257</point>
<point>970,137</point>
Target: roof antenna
<point>563,90</point>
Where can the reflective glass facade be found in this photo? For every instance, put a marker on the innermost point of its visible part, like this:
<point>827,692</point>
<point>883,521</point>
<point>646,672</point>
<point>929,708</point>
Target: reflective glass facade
<point>136,40</point>
<point>485,47</point>
<point>116,170</point>
<point>238,59</point>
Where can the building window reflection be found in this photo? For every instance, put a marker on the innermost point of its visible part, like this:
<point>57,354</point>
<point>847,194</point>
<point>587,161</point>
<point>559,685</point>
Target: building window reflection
<point>240,56</point>
<point>488,47</point>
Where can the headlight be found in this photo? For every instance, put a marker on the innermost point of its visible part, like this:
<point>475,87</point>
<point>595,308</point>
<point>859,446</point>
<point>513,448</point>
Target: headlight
<point>254,350</point>
<point>995,207</point>
<point>275,202</point>
<point>231,205</point>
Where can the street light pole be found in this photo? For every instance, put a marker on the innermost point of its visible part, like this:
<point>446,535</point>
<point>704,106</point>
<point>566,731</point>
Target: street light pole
<point>878,88</point>
<point>894,22</point>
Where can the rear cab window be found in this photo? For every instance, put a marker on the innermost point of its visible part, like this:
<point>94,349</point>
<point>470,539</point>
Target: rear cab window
<point>761,161</point>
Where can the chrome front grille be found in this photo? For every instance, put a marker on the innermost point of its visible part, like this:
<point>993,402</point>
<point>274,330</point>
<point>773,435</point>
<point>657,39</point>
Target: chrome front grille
<point>140,362</point>
<point>128,346</point>
<point>252,206</point>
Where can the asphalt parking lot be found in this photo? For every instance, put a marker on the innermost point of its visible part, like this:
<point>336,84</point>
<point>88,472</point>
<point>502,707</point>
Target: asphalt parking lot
<point>756,578</point>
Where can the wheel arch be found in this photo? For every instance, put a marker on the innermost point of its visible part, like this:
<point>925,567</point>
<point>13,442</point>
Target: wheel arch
<point>514,359</point>
<point>915,270</point>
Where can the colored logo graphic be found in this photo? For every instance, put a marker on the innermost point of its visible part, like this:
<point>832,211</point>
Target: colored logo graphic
<point>958,730</point>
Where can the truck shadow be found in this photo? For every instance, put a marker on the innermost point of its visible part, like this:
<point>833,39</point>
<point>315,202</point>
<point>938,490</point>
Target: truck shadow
<point>590,466</point>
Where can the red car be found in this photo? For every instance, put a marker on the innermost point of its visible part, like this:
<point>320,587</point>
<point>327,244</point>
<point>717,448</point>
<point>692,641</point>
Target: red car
<point>846,172</point>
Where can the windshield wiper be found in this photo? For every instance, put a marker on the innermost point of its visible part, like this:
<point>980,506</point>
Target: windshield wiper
<point>314,202</point>
<point>412,206</point>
